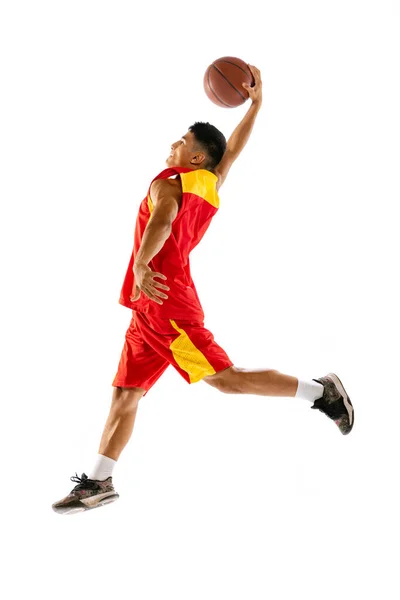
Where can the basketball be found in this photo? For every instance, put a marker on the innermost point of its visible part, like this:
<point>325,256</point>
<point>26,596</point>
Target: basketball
<point>223,81</point>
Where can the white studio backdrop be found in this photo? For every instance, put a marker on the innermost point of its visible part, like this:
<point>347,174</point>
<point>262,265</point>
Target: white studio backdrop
<point>220,496</point>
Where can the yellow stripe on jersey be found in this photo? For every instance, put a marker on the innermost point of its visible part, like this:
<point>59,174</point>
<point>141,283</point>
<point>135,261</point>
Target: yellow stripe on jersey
<point>188,357</point>
<point>202,183</point>
<point>150,203</point>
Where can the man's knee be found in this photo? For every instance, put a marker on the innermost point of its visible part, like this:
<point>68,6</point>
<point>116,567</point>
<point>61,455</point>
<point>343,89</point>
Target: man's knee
<point>226,381</point>
<point>126,399</point>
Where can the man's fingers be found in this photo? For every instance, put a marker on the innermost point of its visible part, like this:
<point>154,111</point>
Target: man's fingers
<point>155,299</point>
<point>150,295</point>
<point>256,72</point>
<point>160,294</point>
<point>152,287</point>
<point>135,294</point>
<point>153,292</point>
<point>160,285</point>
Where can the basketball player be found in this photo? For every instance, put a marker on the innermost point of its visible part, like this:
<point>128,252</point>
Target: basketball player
<point>167,325</point>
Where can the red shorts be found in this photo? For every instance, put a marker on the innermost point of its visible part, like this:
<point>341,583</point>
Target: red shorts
<point>152,344</point>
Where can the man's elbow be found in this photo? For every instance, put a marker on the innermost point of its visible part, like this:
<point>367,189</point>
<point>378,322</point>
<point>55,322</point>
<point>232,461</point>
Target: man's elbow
<point>162,224</point>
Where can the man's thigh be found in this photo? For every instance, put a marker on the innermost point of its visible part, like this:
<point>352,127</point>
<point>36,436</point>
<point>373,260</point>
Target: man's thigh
<point>140,366</point>
<point>187,345</point>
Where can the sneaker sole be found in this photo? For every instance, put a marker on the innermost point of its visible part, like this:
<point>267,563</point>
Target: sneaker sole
<point>86,504</point>
<point>346,399</point>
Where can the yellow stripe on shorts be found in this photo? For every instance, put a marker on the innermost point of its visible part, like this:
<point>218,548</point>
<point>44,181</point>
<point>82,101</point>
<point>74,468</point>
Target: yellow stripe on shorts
<point>188,357</point>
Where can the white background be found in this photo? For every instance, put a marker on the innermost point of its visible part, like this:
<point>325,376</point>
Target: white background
<point>221,497</point>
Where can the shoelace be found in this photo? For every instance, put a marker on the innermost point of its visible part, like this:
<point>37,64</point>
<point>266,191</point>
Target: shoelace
<point>83,482</point>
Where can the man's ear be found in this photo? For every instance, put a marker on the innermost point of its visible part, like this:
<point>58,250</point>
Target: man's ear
<point>198,158</point>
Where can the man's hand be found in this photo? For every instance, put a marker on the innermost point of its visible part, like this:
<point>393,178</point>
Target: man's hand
<point>144,282</point>
<point>166,196</point>
<point>255,92</point>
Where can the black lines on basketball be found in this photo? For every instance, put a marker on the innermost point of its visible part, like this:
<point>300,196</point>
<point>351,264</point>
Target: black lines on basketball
<point>227,81</point>
<point>234,64</point>
<point>224,79</point>
<point>214,92</point>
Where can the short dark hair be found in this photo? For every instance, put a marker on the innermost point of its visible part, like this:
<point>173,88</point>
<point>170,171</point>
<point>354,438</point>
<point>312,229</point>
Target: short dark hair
<point>211,140</point>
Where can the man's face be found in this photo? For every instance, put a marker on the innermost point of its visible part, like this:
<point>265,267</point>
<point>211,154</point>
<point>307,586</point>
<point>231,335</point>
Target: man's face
<point>184,154</point>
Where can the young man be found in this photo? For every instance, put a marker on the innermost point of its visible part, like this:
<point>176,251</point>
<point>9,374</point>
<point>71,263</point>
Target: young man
<point>167,325</point>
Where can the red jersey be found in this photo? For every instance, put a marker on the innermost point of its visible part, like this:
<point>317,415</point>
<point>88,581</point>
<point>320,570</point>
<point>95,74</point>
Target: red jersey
<point>200,203</point>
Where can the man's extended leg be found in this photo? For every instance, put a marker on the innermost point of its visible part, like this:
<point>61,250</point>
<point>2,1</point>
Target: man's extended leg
<point>261,382</point>
<point>327,393</point>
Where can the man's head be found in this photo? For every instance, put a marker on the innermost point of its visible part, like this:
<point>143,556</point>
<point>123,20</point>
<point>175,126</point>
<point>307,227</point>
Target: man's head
<point>202,147</point>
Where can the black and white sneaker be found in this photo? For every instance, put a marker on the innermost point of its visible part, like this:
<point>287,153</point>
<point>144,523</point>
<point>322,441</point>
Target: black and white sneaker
<point>89,493</point>
<point>335,403</point>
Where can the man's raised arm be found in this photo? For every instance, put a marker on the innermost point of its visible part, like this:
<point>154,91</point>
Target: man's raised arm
<point>241,134</point>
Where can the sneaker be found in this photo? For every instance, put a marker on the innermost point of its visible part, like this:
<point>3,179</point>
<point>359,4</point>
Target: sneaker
<point>89,493</point>
<point>335,403</point>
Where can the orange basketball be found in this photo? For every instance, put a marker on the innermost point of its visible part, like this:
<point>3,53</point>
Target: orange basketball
<point>223,81</point>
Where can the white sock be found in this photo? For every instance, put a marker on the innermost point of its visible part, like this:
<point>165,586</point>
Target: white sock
<point>103,468</point>
<point>309,390</point>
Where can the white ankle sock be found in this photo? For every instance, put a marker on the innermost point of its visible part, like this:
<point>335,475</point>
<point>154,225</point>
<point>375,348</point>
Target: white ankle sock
<point>103,468</point>
<point>309,390</point>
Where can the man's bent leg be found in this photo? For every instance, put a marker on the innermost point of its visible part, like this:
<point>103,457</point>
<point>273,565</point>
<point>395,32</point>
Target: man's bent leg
<point>119,426</point>
<point>235,380</point>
